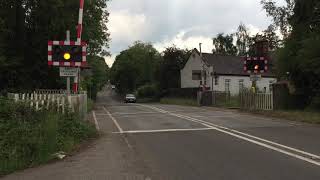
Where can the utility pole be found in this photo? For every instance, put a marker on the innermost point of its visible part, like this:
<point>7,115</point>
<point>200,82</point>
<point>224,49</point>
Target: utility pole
<point>203,69</point>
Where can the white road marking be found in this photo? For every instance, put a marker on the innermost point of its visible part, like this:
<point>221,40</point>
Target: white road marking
<point>127,142</point>
<point>101,114</point>
<point>162,130</point>
<point>233,132</point>
<point>113,119</point>
<point>95,121</point>
<point>119,113</point>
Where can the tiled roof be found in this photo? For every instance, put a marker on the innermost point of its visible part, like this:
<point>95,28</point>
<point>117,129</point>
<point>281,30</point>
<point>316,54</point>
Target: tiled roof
<point>229,65</point>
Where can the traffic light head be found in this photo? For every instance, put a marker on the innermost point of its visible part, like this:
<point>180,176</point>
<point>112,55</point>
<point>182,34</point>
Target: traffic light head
<point>256,65</point>
<point>67,53</point>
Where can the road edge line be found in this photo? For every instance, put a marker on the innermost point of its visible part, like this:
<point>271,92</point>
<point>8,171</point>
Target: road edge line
<point>114,120</point>
<point>95,120</point>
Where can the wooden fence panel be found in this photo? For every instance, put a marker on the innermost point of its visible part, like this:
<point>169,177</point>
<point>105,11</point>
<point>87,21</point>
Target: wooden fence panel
<point>256,101</point>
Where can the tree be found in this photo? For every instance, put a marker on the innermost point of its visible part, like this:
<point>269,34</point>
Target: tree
<point>95,78</point>
<point>27,25</point>
<point>224,45</point>
<point>243,40</point>
<point>281,14</point>
<point>135,67</point>
<point>300,55</point>
<point>271,36</point>
<point>174,60</point>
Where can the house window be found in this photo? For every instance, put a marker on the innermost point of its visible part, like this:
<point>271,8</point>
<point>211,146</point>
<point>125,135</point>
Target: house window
<point>241,85</point>
<point>196,75</point>
<point>227,85</point>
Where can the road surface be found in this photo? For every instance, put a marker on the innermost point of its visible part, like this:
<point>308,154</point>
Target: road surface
<point>168,142</point>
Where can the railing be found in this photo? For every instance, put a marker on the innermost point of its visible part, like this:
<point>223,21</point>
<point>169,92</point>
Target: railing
<point>57,100</point>
<point>256,101</point>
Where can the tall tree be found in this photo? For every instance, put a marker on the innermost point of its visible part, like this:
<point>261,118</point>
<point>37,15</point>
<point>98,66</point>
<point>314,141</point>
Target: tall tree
<point>174,60</point>
<point>271,36</point>
<point>281,14</point>
<point>27,25</point>
<point>135,67</point>
<point>224,45</point>
<point>243,40</point>
<point>300,55</point>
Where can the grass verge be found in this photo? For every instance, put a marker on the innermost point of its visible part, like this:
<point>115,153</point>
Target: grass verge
<point>179,101</point>
<point>300,116</point>
<point>29,138</point>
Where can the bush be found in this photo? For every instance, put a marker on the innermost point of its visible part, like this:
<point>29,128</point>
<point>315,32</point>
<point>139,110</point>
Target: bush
<point>147,91</point>
<point>29,137</point>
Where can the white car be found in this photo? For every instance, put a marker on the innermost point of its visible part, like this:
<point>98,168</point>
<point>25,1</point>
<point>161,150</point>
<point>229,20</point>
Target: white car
<point>130,98</point>
<point>113,87</point>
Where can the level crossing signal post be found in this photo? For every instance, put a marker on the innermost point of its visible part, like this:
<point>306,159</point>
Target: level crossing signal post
<point>258,64</point>
<point>70,54</point>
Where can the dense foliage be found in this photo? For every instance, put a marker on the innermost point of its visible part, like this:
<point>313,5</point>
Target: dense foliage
<point>241,42</point>
<point>299,59</point>
<point>27,25</point>
<point>135,67</point>
<point>29,137</point>
<point>96,77</point>
<point>174,59</point>
<point>142,69</point>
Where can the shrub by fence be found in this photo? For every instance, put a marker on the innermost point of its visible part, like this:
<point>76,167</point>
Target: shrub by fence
<point>29,137</point>
<point>58,100</point>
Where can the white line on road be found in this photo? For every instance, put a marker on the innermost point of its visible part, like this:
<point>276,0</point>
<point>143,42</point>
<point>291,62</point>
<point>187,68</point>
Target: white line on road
<point>113,119</point>
<point>238,134</point>
<point>95,120</point>
<point>163,130</point>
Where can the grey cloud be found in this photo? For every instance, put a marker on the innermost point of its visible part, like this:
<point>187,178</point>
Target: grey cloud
<point>166,18</point>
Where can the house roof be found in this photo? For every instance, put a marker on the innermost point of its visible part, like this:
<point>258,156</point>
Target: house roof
<point>228,65</point>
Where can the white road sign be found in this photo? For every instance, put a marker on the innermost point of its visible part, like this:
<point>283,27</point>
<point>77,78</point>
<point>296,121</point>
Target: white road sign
<point>68,72</point>
<point>255,77</point>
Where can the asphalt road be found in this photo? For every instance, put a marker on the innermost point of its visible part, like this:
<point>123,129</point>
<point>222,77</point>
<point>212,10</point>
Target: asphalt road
<point>168,142</point>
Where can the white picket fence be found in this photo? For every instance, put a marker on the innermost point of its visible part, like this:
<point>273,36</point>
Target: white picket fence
<point>57,100</point>
<point>256,101</point>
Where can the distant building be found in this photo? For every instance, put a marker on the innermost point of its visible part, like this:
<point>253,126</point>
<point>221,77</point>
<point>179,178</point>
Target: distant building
<point>222,73</point>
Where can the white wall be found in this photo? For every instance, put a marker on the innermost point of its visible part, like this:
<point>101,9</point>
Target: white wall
<point>195,63</point>
<point>234,83</point>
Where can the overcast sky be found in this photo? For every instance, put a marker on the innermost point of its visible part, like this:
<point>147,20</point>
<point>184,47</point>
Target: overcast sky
<point>184,23</point>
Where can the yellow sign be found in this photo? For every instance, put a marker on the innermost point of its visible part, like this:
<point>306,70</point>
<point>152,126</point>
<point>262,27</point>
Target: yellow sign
<point>67,56</point>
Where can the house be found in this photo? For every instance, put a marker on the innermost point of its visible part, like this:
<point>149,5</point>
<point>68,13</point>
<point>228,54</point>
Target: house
<point>222,73</point>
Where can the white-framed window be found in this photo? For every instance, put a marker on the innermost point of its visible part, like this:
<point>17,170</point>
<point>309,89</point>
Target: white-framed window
<point>227,85</point>
<point>196,75</point>
<point>241,84</point>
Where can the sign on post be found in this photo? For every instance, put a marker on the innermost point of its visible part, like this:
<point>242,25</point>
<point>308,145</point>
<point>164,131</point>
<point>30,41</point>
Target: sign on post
<point>255,77</point>
<point>68,72</point>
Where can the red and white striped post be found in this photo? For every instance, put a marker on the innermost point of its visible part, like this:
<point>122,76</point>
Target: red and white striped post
<point>79,28</point>
<point>79,33</point>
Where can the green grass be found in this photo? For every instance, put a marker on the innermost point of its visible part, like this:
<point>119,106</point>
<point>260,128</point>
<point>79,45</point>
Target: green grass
<point>179,101</point>
<point>231,102</point>
<point>90,104</point>
<point>29,138</point>
<point>300,116</point>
